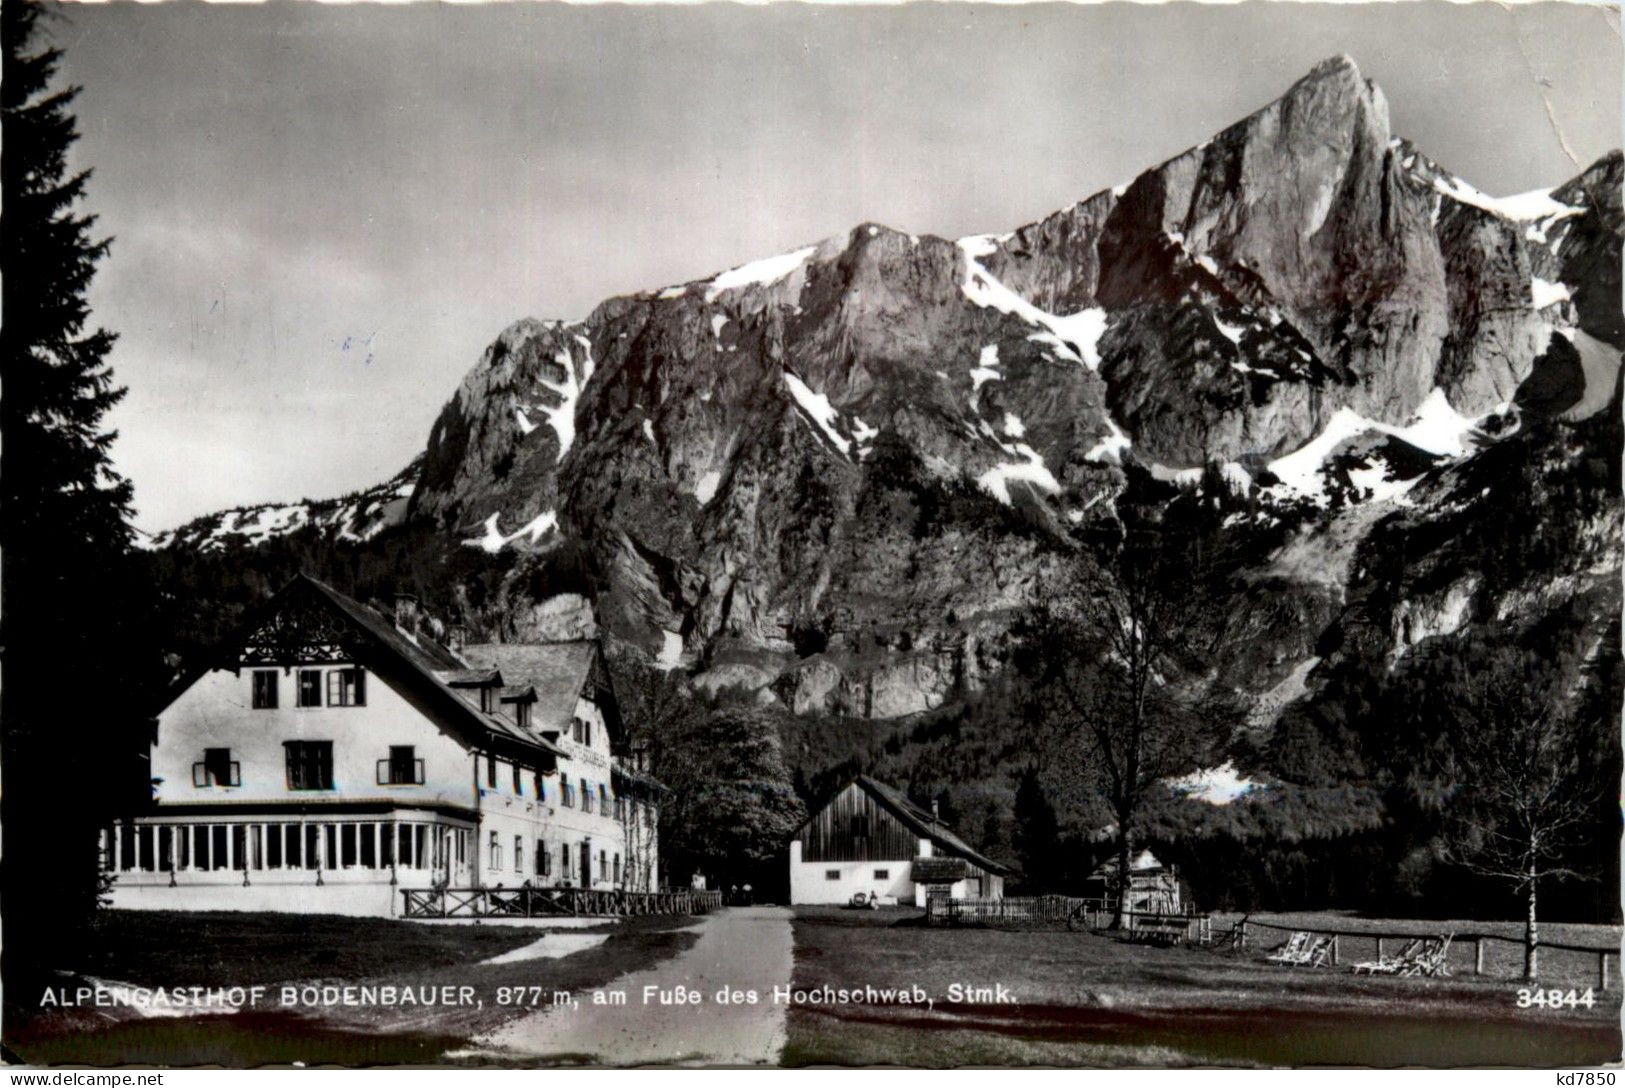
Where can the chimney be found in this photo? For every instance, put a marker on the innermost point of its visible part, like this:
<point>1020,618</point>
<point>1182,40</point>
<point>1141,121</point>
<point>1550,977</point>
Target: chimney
<point>406,612</point>
<point>456,638</point>
<point>934,808</point>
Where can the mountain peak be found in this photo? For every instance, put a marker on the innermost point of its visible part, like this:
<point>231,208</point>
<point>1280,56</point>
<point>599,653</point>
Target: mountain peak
<point>1335,65</point>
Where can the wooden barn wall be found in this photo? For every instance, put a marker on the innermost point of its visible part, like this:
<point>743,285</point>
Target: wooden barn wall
<point>828,837</point>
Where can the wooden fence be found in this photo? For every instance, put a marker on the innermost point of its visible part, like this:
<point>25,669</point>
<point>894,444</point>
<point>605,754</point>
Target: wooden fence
<point>551,902</point>
<point>1468,950</point>
<point>1058,911</point>
<point>1040,909</point>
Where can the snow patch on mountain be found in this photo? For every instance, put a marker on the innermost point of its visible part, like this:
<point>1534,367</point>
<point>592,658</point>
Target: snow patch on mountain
<point>706,489</point>
<point>671,651</point>
<point>1546,293</point>
<point>996,481</point>
<point>493,539</point>
<point>563,418</point>
<point>1436,428</point>
<point>1112,447</point>
<point>768,270</point>
<point>817,408</point>
<point>1074,337</point>
<point>1538,204</point>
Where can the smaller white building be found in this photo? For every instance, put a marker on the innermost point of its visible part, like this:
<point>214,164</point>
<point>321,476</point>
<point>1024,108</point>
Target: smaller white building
<point>871,839</point>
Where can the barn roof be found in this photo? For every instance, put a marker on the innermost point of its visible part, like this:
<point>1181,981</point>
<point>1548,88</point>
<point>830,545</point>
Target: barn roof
<point>922,823</point>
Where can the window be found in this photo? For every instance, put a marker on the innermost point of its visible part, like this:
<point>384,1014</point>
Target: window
<point>564,861</point>
<point>541,795</point>
<point>264,689</point>
<point>832,874</point>
<point>575,730</point>
<point>860,827</point>
<point>347,687</point>
<point>882,874</point>
<point>544,860</point>
<point>617,868</point>
<point>485,700</point>
<point>491,772</point>
<point>521,714</point>
<point>586,796</point>
<point>310,764</point>
<point>518,783</point>
<point>496,851</point>
<point>603,799</point>
<point>603,865</point>
<point>217,769</point>
<point>402,768</point>
<point>310,687</point>
<point>567,792</point>
<point>519,853</point>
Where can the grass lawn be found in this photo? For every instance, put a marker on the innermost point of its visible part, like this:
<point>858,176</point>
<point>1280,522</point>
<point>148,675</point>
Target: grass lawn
<point>1085,999</point>
<point>229,949</point>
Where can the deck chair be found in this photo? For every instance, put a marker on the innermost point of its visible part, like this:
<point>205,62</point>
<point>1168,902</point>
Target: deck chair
<point>1295,950</point>
<point>1384,965</point>
<point>1432,961</point>
<point>1319,953</point>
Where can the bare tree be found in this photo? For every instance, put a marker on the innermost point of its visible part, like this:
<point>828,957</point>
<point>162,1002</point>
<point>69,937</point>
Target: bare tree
<point>1518,758</point>
<point>656,709</point>
<point>1116,658</point>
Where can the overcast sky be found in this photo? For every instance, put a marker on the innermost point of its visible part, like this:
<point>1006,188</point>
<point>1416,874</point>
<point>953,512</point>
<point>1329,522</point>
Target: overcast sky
<point>323,213</point>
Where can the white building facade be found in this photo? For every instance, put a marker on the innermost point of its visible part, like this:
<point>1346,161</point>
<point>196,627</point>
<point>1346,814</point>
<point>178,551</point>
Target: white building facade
<point>330,758</point>
<point>870,839</point>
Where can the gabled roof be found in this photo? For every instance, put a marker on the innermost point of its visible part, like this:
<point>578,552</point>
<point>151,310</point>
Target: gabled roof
<point>439,665</point>
<point>921,822</point>
<point>420,665</point>
<point>560,673</point>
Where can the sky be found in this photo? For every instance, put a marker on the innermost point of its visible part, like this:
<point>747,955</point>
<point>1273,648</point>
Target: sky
<point>322,213</point>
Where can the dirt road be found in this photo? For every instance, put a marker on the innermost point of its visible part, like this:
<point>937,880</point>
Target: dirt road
<point>672,1015</point>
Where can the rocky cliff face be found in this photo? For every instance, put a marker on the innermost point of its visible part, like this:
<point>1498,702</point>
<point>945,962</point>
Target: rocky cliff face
<point>836,475</point>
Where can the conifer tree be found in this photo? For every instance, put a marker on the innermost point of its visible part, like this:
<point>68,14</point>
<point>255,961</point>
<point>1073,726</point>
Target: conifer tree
<point>69,700</point>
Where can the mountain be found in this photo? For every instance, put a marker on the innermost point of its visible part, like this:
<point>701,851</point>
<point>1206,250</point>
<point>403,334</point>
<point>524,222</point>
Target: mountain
<point>838,476</point>
<point>352,518</point>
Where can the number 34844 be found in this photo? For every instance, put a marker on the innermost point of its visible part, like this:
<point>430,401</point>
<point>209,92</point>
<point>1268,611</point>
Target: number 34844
<point>1556,1000</point>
